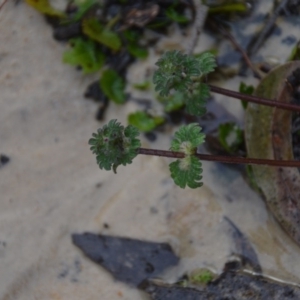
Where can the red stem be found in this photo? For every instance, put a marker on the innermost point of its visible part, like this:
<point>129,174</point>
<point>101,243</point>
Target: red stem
<point>223,159</point>
<point>254,99</point>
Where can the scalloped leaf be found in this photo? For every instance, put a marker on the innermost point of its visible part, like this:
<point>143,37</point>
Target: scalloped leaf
<point>115,145</point>
<point>187,172</point>
<point>207,62</point>
<point>187,138</point>
<point>196,101</point>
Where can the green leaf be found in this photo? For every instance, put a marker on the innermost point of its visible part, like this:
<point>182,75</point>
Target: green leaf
<point>178,71</point>
<point>295,53</point>
<point>201,276</point>
<point>82,8</point>
<point>173,15</point>
<point>207,62</point>
<point>175,71</point>
<point>196,100</point>
<point>187,172</point>
<point>137,51</point>
<point>84,54</point>
<point>172,102</point>
<point>228,8</point>
<point>143,121</point>
<point>231,137</point>
<point>115,145</point>
<point>247,90</point>
<point>113,86</point>
<point>143,86</point>
<point>44,7</point>
<point>187,139</point>
<point>96,31</point>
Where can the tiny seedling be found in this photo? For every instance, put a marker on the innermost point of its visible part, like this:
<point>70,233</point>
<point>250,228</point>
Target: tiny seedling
<point>116,145</point>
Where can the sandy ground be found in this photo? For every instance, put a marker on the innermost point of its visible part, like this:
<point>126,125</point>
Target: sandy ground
<point>52,186</point>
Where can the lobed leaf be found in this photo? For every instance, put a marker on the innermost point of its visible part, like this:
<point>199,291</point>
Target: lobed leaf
<point>175,71</point>
<point>187,172</point>
<point>196,100</point>
<point>207,62</point>
<point>187,139</point>
<point>114,145</point>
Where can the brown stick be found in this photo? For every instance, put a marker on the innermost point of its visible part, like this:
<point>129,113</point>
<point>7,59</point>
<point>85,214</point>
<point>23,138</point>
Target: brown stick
<point>223,159</point>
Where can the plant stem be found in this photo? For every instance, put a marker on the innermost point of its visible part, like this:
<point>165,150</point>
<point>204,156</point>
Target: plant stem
<point>254,99</point>
<point>222,158</point>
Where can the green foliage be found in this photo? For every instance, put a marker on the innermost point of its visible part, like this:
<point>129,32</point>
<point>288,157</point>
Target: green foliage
<point>196,99</point>
<point>82,8</point>
<point>201,277</point>
<point>228,8</point>
<point>231,136</point>
<point>187,171</point>
<point>172,102</point>
<point>44,7</point>
<point>143,86</point>
<point>179,72</point>
<point>143,121</point>
<point>84,54</point>
<point>247,90</point>
<point>295,53</point>
<point>115,145</point>
<point>173,15</point>
<point>133,46</point>
<point>137,51</point>
<point>175,71</point>
<point>113,86</point>
<point>207,62</point>
<point>96,31</point>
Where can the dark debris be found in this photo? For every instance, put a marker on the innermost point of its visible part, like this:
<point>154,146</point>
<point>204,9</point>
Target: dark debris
<point>128,260</point>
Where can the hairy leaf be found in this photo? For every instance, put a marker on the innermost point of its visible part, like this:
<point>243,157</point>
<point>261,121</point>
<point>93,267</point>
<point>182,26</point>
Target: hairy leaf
<point>113,86</point>
<point>187,139</point>
<point>96,31</point>
<point>172,102</point>
<point>114,145</point>
<point>187,172</point>
<point>196,100</point>
<point>207,62</point>
<point>84,54</point>
<point>175,71</point>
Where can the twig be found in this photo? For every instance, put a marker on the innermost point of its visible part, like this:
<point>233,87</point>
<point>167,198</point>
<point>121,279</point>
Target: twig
<point>262,37</point>
<point>254,99</point>
<point>223,159</point>
<point>241,50</point>
<point>200,16</point>
<point>3,3</point>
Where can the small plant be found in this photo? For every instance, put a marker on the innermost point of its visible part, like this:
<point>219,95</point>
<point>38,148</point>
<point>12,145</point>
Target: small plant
<point>116,145</point>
